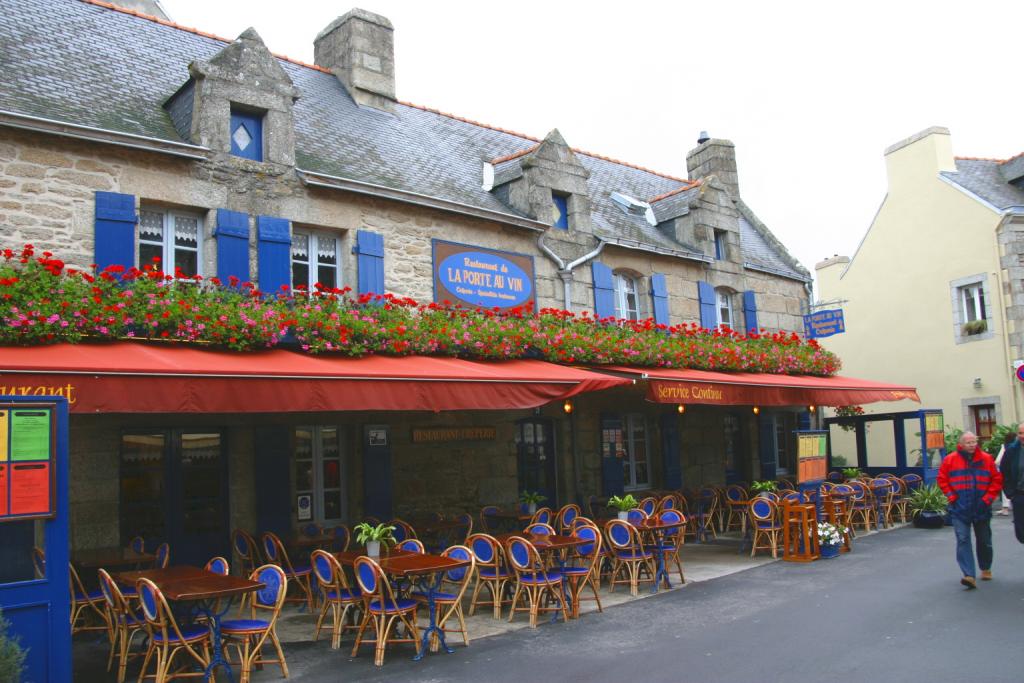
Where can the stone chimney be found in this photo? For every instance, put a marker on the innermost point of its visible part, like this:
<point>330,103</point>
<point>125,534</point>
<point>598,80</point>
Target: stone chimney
<point>359,48</point>
<point>714,157</point>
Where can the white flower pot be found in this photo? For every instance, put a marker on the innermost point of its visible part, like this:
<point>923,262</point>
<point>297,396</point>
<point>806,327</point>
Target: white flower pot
<point>623,515</point>
<point>373,548</point>
<point>532,508</point>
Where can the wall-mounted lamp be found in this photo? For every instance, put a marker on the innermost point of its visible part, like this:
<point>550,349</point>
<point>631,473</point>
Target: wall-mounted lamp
<point>757,410</point>
<point>811,409</point>
<point>567,406</point>
<point>977,383</point>
<point>680,409</point>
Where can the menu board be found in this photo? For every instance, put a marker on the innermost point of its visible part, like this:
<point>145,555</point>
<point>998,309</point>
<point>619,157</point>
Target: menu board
<point>26,461</point>
<point>812,452</point>
<point>934,430</point>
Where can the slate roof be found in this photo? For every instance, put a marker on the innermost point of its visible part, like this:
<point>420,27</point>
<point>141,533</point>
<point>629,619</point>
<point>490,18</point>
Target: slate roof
<point>54,67</point>
<point>982,178</point>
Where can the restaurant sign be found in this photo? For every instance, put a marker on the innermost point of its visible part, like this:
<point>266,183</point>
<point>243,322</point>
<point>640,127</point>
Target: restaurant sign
<point>484,278</point>
<point>440,434</point>
<point>824,323</point>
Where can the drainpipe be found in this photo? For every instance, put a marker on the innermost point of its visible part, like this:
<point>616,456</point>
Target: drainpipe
<point>565,270</point>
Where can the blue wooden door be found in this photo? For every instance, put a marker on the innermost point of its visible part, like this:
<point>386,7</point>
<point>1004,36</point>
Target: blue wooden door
<point>37,604</point>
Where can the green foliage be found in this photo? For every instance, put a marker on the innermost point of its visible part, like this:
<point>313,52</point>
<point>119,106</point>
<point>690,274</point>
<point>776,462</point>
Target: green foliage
<point>366,532</point>
<point>851,472</point>
<point>12,656</point>
<point>952,436</point>
<point>838,461</point>
<point>927,499</point>
<point>764,486</point>
<point>623,504</point>
<point>993,445</point>
<point>975,327</point>
<point>531,497</point>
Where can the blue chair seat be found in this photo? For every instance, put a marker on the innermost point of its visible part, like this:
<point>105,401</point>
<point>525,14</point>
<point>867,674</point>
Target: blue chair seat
<point>769,526</point>
<point>188,635</point>
<point>243,625</point>
<point>541,577</point>
<point>91,596</point>
<point>633,555</point>
<point>575,571</point>
<point>494,573</point>
<point>399,605</point>
<point>346,594</point>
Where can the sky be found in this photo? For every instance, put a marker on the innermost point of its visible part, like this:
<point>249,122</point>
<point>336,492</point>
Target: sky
<point>811,93</point>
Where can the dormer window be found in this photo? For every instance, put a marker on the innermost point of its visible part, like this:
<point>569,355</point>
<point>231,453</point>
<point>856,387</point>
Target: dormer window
<point>560,204</point>
<point>246,133</point>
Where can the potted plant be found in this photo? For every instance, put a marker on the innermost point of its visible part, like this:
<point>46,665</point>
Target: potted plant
<point>763,487</point>
<point>928,504</point>
<point>12,656</point>
<point>623,504</point>
<point>852,473</point>
<point>830,537</point>
<point>371,536</point>
<point>975,327</point>
<point>530,499</point>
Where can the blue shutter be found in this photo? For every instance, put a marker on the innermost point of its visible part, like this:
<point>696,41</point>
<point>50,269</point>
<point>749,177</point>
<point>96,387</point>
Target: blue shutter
<point>247,128</point>
<point>750,310</point>
<point>370,262</point>
<point>604,290</point>
<point>273,253</point>
<point>232,245</point>
<point>708,314</point>
<point>114,230</point>
<point>561,203</point>
<point>659,297</point>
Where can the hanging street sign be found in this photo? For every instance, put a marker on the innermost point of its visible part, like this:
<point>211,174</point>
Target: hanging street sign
<point>824,323</point>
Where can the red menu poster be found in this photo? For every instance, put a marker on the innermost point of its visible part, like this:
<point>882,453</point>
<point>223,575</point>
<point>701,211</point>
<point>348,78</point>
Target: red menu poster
<point>30,488</point>
<point>3,489</point>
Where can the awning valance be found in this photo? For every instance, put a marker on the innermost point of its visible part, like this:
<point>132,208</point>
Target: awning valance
<point>739,388</point>
<point>132,377</point>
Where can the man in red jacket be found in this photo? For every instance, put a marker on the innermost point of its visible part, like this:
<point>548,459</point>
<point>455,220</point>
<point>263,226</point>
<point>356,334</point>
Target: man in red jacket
<point>971,481</point>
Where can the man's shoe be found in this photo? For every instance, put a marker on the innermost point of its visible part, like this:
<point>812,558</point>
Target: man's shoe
<point>986,574</point>
<point>969,582</point>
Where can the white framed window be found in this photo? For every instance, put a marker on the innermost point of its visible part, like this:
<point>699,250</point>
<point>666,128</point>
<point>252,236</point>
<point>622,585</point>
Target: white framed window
<point>636,461</point>
<point>627,303</point>
<point>972,303</point>
<point>173,237</point>
<point>783,426</point>
<point>316,257</point>
<point>318,462</point>
<point>723,306</point>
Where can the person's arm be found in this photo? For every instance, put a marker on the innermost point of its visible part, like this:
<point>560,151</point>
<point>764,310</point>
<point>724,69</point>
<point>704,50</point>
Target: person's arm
<point>943,480</point>
<point>995,485</point>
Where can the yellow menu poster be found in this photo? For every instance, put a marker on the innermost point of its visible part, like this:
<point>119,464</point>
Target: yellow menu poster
<point>4,418</point>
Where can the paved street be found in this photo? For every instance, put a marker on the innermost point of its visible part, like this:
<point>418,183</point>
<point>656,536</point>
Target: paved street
<point>892,610</point>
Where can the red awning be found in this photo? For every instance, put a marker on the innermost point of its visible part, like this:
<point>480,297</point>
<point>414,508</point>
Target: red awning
<point>740,388</point>
<point>133,377</point>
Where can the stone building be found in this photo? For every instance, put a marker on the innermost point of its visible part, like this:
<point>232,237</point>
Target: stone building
<point>939,271</point>
<point>131,137</point>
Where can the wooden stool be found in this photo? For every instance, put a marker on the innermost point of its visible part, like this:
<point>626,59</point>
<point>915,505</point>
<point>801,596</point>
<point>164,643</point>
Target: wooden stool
<point>800,532</point>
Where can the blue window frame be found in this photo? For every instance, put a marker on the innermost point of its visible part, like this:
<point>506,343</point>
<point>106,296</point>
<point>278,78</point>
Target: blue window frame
<point>561,204</point>
<point>247,134</point>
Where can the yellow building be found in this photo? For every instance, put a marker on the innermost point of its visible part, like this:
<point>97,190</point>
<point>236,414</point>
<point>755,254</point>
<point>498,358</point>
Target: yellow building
<point>934,295</point>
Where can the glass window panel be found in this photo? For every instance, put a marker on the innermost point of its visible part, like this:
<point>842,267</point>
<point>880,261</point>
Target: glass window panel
<point>142,485</point>
<point>326,250</point>
<point>147,252</point>
<point>326,276</point>
<point>19,561</point>
<point>332,505</point>
<point>186,232</point>
<point>303,476</point>
<point>300,247</point>
<point>186,261</point>
<point>332,474</point>
<point>300,274</point>
<point>151,226</point>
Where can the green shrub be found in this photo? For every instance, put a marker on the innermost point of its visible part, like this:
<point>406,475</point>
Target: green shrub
<point>12,657</point>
